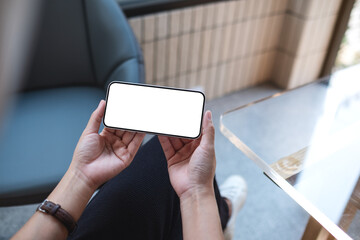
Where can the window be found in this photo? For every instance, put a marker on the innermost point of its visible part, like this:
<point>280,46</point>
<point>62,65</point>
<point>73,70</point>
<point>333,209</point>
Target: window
<point>349,51</point>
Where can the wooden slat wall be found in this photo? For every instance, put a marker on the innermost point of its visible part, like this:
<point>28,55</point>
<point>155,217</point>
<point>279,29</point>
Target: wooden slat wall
<point>230,45</point>
<point>306,34</point>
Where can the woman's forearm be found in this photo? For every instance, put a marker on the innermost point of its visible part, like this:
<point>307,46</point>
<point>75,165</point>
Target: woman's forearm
<point>72,193</point>
<point>200,216</point>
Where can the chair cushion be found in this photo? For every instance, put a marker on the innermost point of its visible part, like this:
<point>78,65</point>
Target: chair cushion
<point>82,43</point>
<point>112,41</point>
<point>61,55</point>
<point>39,137</point>
<point>128,72</point>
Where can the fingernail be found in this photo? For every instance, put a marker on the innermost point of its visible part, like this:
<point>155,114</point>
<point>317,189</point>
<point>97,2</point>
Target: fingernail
<point>209,115</point>
<point>99,104</point>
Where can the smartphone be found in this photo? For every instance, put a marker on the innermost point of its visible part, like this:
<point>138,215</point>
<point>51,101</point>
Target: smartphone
<point>154,109</point>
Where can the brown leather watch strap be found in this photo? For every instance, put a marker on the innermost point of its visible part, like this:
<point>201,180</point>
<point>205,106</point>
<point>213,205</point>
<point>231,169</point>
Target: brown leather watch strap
<point>59,213</point>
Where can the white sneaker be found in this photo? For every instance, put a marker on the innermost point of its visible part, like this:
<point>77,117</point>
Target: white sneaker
<point>235,190</point>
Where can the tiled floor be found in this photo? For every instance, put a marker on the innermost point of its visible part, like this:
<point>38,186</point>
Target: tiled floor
<point>268,212</point>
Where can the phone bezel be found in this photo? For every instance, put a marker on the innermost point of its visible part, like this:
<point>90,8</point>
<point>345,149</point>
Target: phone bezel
<point>154,86</point>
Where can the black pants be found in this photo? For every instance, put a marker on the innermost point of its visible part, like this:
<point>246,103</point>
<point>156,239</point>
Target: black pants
<point>139,203</point>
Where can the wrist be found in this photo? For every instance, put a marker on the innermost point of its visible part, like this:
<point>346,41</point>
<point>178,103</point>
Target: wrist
<point>197,201</point>
<point>77,173</point>
<point>200,215</point>
<point>197,194</point>
<point>72,193</point>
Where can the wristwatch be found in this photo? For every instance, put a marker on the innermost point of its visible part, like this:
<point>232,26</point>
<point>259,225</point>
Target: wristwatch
<point>59,213</point>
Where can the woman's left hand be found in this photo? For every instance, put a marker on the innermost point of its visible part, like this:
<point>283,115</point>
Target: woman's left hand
<point>97,158</point>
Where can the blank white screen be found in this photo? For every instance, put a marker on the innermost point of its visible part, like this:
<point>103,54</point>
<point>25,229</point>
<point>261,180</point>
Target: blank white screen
<point>153,109</point>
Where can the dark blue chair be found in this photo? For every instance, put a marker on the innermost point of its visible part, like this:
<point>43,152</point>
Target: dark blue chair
<point>81,46</point>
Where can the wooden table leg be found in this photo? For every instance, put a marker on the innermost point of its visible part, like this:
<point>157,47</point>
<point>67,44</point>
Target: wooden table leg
<point>314,230</point>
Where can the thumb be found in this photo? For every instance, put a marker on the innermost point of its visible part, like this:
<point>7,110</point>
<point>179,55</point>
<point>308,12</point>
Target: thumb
<point>208,135</point>
<point>95,119</point>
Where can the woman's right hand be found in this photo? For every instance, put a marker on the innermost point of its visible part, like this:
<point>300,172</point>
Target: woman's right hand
<point>191,166</point>
<point>191,163</point>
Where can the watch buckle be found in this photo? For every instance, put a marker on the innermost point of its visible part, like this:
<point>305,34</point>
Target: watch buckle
<point>41,204</point>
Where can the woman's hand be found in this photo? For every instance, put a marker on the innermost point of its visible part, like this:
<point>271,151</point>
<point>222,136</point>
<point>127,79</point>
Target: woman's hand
<point>100,157</point>
<point>191,163</point>
<point>191,166</point>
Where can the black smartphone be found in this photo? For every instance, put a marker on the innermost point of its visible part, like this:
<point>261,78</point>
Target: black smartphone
<point>154,109</point>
